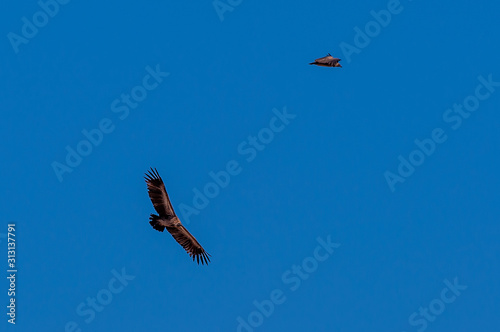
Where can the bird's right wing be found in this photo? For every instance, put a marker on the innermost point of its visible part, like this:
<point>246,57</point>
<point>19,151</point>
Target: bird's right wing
<point>189,243</point>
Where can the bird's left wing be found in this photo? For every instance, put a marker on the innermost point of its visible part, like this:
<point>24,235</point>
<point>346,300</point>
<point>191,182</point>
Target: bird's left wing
<point>189,243</point>
<point>158,194</point>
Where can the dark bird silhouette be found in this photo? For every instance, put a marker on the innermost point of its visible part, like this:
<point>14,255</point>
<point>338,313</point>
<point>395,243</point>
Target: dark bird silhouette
<point>167,218</point>
<point>327,61</point>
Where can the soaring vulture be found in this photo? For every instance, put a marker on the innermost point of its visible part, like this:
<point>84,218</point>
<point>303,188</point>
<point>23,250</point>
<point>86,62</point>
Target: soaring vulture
<point>327,61</point>
<point>167,218</point>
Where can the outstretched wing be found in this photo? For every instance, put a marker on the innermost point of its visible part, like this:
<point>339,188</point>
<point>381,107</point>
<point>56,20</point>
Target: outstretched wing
<point>158,194</point>
<point>189,243</point>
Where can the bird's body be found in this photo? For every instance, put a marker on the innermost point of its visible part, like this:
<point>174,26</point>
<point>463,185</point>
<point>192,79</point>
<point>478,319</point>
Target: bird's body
<point>164,222</point>
<point>167,218</point>
<point>327,61</point>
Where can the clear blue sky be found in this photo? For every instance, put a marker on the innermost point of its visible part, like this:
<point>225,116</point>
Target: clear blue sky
<point>393,159</point>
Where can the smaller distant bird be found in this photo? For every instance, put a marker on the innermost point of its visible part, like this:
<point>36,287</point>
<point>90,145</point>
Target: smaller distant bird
<point>327,61</point>
<point>168,219</point>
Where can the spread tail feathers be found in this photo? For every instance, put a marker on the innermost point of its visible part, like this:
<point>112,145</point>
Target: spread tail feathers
<point>154,221</point>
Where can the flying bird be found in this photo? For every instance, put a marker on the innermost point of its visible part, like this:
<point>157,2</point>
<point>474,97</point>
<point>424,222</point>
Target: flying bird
<point>168,219</point>
<point>327,61</point>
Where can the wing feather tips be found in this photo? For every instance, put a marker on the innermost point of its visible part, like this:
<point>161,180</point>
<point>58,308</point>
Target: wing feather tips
<point>152,175</point>
<point>200,255</point>
<point>205,257</point>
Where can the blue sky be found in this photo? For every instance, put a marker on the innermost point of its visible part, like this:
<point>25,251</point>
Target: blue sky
<point>348,199</point>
